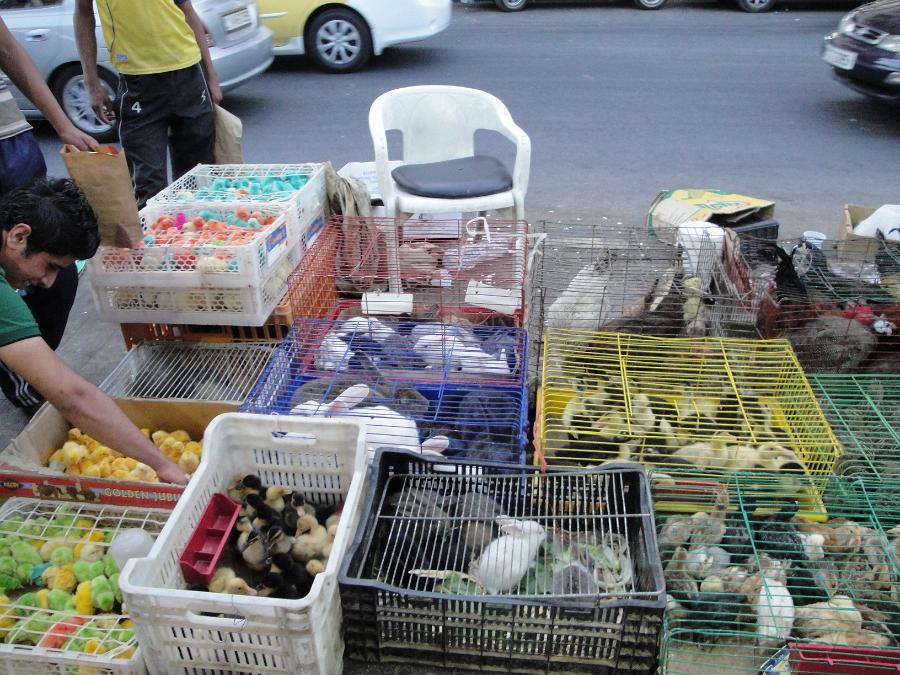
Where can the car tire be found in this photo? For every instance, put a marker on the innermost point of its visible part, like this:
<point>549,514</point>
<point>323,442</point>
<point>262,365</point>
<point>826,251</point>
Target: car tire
<point>511,5</point>
<point>339,41</point>
<point>755,6</point>
<point>649,4</point>
<point>71,93</point>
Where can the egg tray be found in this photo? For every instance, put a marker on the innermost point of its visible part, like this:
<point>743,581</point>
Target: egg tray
<point>402,617</point>
<point>719,630</point>
<point>121,660</point>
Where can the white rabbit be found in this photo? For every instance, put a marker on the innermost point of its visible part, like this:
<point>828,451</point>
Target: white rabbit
<point>774,612</point>
<point>385,427</point>
<point>333,354</point>
<point>504,561</point>
<point>460,331</point>
<point>442,351</point>
<point>371,328</point>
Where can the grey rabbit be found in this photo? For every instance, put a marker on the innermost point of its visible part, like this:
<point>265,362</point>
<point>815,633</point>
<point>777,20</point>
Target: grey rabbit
<point>404,399</point>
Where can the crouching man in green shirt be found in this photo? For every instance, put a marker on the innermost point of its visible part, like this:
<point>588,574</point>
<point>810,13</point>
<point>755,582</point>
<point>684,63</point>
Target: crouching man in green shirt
<point>46,227</point>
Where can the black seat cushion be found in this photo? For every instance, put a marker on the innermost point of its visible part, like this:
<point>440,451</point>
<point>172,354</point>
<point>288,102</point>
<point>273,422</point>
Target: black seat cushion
<point>455,178</point>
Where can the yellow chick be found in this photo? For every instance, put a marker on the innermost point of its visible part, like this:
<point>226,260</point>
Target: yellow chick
<point>119,474</point>
<point>172,448</point>
<point>73,453</point>
<point>181,435</point>
<point>7,616</point>
<point>104,468</point>
<point>85,465</point>
<point>94,646</point>
<point>83,604</point>
<point>193,446</point>
<point>90,443</point>
<point>125,653</point>
<point>62,579</point>
<point>145,431</point>
<point>84,524</point>
<point>74,434</point>
<point>159,436</point>
<point>143,474</point>
<point>189,462</point>
<point>92,471</point>
<point>90,537</point>
<point>130,464</point>
<point>119,464</point>
<point>57,456</point>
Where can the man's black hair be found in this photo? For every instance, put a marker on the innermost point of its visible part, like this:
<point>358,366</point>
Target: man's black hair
<point>61,220</point>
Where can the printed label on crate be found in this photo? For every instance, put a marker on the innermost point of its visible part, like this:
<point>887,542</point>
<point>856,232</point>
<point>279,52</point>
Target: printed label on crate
<point>313,230</point>
<point>105,492</point>
<point>276,243</point>
<point>500,300</point>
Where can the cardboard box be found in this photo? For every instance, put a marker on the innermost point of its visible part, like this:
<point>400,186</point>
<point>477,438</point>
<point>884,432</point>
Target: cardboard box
<point>853,214</point>
<point>726,209</point>
<point>23,470</point>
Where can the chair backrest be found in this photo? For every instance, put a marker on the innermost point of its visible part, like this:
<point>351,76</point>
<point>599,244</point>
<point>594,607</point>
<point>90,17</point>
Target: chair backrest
<point>437,122</point>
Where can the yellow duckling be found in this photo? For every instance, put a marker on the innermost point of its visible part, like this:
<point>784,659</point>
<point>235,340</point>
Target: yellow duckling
<point>83,604</point>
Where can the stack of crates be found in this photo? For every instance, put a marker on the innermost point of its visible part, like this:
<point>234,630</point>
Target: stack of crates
<point>249,224</point>
<point>425,319</point>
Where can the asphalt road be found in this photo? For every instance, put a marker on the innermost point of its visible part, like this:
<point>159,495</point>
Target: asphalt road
<point>619,104</point>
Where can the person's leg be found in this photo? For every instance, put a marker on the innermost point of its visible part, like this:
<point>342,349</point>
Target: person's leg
<point>143,108</point>
<point>192,123</point>
<point>21,162</point>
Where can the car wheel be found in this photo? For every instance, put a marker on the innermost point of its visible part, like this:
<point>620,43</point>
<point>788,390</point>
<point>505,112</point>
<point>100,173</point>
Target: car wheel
<point>339,41</point>
<point>756,5</point>
<point>511,5</point>
<point>72,94</point>
<point>649,4</point>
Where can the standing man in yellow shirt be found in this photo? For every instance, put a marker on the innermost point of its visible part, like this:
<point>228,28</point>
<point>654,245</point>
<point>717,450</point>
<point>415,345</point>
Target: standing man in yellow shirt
<point>167,84</point>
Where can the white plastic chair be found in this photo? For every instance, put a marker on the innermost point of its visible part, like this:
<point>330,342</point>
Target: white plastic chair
<point>438,124</point>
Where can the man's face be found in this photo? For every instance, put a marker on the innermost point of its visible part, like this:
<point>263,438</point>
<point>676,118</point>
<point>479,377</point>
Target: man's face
<point>37,269</point>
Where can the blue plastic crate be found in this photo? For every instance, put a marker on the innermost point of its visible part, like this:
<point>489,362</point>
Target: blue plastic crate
<point>483,422</point>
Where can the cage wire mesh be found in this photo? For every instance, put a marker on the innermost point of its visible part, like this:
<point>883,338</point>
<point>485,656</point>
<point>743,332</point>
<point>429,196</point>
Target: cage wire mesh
<point>189,370</point>
<point>838,304</point>
<point>623,278</point>
<point>425,269</point>
<point>701,405</point>
<point>753,582</point>
<point>490,564</point>
<point>40,523</point>
<point>460,419</point>
<point>414,351</point>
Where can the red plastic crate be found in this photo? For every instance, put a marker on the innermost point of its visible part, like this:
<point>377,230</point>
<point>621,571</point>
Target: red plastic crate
<point>808,657</point>
<point>201,554</point>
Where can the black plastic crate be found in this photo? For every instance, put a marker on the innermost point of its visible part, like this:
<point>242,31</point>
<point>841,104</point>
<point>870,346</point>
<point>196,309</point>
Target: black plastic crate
<point>415,518</point>
<point>762,229</point>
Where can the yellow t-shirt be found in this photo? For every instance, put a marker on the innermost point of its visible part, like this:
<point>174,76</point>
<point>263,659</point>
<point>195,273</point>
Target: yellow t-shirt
<point>146,37</point>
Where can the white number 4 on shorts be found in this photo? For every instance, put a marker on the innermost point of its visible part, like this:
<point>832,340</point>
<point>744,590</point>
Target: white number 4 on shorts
<point>137,107</point>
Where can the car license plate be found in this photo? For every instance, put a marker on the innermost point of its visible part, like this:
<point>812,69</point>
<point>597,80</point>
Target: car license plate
<point>839,58</point>
<point>236,20</point>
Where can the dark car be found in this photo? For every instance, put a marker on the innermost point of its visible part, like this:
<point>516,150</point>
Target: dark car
<point>864,52</point>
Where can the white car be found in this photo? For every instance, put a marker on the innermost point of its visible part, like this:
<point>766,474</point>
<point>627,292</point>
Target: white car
<point>238,45</point>
<point>341,37</point>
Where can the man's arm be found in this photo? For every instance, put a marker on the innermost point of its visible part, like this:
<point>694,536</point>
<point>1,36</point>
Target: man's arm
<point>18,66</point>
<point>212,80</point>
<point>84,405</point>
<point>86,40</point>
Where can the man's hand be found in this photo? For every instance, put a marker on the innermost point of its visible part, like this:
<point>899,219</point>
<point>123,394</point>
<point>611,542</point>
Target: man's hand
<point>101,103</point>
<point>73,136</point>
<point>169,472</point>
<point>215,92</point>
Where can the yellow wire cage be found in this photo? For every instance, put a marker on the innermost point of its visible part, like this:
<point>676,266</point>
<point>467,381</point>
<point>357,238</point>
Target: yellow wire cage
<point>697,406</point>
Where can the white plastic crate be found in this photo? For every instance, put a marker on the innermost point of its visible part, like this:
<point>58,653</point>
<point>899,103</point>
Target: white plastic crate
<point>208,184</point>
<point>248,305</point>
<point>324,459</point>
<point>25,659</point>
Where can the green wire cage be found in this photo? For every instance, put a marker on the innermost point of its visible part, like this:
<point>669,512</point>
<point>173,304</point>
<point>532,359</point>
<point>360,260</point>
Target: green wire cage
<point>754,586</point>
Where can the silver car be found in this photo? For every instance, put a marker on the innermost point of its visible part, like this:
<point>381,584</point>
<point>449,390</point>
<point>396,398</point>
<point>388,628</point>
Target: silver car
<point>239,46</point>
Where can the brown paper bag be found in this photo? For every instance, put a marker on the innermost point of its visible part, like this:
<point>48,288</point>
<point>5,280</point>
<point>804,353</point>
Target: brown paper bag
<point>104,179</point>
<point>228,138</point>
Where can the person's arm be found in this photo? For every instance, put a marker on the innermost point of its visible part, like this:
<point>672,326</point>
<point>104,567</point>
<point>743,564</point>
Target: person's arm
<point>84,405</point>
<point>18,66</point>
<point>86,40</point>
<point>212,80</point>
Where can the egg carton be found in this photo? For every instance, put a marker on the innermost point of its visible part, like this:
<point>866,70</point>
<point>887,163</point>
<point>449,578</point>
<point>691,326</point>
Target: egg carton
<point>298,188</point>
<point>194,631</point>
<point>125,658</point>
<point>248,304</point>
